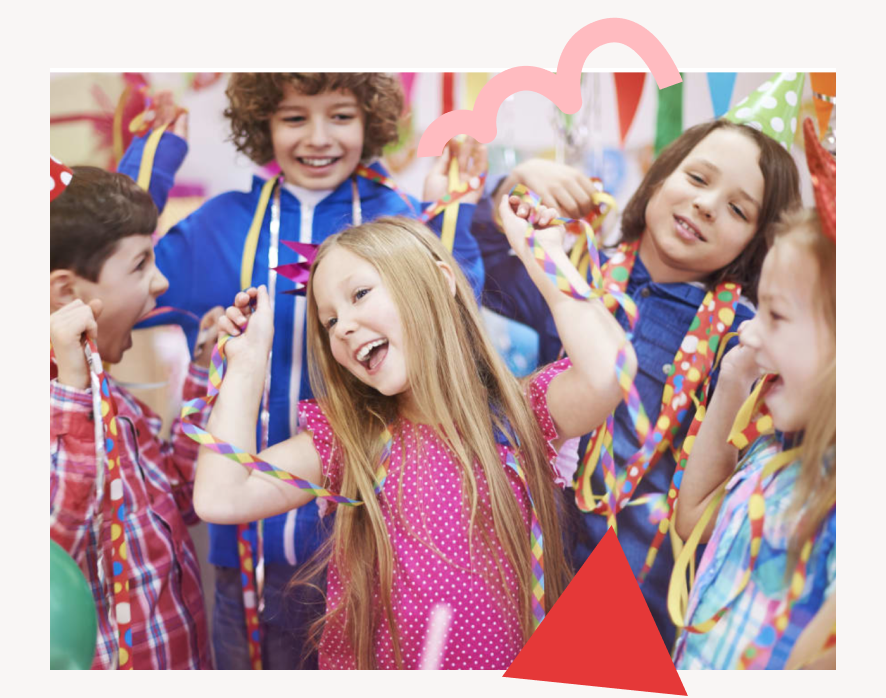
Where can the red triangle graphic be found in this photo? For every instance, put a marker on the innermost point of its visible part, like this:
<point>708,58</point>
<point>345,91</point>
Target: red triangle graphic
<point>600,632</point>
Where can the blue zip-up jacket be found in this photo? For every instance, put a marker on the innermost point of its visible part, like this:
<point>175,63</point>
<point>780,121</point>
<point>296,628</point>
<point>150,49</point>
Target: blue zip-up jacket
<point>201,257</point>
<point>665,314</point>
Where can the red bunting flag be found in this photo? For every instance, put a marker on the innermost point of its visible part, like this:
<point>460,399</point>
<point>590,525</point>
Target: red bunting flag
<point>628,90</point>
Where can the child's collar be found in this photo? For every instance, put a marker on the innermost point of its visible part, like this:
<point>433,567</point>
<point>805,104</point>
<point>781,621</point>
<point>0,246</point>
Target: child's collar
<point>310,197</point>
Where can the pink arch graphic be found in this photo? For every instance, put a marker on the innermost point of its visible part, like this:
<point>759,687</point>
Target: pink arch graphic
<point>562,88</point>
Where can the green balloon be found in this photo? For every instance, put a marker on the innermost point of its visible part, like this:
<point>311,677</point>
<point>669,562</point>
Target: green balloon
<point>73,625</point>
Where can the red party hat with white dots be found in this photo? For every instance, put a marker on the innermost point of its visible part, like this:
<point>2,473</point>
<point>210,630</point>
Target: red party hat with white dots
<point>59,177</point>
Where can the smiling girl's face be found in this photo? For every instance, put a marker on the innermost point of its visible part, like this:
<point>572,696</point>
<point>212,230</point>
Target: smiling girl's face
<point>364,326</point>
<point>706,211</point>
<point>789,335</point>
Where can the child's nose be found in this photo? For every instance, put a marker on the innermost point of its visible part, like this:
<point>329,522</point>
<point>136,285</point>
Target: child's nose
<point>705,206</point>
<point>750,334</point>
<point>319,134</point>
<point>344,326</point>
<point>159,284</point>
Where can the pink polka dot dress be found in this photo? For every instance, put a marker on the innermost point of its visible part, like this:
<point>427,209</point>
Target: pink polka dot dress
<point>438,571</point>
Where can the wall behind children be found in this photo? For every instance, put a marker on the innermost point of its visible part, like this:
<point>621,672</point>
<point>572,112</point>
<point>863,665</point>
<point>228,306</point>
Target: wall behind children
<point>81,112</point>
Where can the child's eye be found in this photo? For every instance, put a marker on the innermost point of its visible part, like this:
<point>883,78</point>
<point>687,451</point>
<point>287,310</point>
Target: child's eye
<point>344,117</point>
<point>739,212</point>
<point>330,323</point>
<point>695,178</point>
<point>775,317</point>
<point>360,293</point>
<point>293,119</point>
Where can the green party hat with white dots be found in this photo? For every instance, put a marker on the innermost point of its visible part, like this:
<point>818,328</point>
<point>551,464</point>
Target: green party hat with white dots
<point>772,108</point>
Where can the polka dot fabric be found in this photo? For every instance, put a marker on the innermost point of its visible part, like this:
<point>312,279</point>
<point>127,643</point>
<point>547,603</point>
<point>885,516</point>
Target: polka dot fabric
<point>772,108</point>
<point>435,565</point>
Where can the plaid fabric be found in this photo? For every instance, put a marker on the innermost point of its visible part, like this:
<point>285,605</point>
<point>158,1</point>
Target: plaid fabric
<point>726,557</point>
<point>168,620</point>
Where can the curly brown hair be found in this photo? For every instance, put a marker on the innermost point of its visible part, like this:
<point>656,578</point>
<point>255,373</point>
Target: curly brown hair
<point>253,98</point>
<point>781,193</point>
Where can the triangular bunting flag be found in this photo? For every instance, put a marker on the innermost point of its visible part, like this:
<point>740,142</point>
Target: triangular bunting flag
<point>720,86</point>
<point>625,650</point>
<point>628,90</point>
<point>824,90</point>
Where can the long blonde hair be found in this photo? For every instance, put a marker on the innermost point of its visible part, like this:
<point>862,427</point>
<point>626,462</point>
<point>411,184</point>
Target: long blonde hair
<point>815,491</point>
<point>460,384</point>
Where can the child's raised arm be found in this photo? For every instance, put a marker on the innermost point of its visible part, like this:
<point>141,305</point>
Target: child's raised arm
<point>226,492</point>
<point>713,459</point>
<point>581,397</point>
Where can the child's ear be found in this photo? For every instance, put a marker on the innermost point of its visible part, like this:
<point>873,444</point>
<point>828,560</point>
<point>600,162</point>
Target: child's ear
<point>450,276</point>
<point>62,288</point>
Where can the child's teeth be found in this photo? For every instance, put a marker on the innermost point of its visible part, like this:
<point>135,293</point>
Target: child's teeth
<point>364,352</point>
<point>318,162</point>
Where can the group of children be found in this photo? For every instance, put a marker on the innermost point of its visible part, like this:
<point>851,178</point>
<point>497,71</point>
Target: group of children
<point>405,483</point>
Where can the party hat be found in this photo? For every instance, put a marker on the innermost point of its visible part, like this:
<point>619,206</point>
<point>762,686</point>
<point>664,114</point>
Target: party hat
<point>772,108</point>
<point>59,178</point>
<point>823,171</point>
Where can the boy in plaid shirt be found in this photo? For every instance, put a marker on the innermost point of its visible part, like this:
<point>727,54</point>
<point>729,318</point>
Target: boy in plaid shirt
<point>102,281</point>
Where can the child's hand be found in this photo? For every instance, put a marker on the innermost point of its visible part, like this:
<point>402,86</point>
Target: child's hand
<point>739,367</point>
<point>472,162</point>
<point>166,109</point>
<point>67,326</point>
<point>253,347</point>
<point>514,213</point>
<point>207,336</point>
<point>559,186</point>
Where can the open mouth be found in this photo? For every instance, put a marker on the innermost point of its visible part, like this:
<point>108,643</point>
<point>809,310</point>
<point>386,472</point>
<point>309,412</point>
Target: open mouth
<point>318,162</point>
<point>372,354</point>
<point>687,230</point>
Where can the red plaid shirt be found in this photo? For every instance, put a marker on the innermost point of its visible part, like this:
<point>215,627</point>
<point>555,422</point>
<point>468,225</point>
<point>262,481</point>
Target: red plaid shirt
<point>168,620</point>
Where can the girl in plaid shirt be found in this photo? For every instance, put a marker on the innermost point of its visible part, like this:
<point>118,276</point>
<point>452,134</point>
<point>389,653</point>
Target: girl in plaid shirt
<point>783,612</point>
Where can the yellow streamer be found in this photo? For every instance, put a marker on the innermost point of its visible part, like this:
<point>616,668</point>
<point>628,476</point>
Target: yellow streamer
<point>251,244</point>
<point>147,164</point>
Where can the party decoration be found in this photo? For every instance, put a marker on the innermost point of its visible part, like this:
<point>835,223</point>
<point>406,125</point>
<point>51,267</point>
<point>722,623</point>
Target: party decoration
<point>823,170</point>
<point>772,108</point>
<point>669,117</point>
<point>824,96</point>
<point>561,88</point>
<point>298,272</point>
<point>73,625</point>
<point>628,90</point>
<point>448,93</point>
<point>630,654</point>
<point>59,178</point>
<point>474,82</point>
<point>200,81</point>
<point>720,86</point>
<point>109,485</point>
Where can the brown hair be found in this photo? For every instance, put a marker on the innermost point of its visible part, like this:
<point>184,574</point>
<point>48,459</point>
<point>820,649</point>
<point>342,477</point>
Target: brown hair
<point>781,192</point>
<point>815,491</point>
<point>89,218</point>
<point>254,97</point>
<point>487,395</point>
